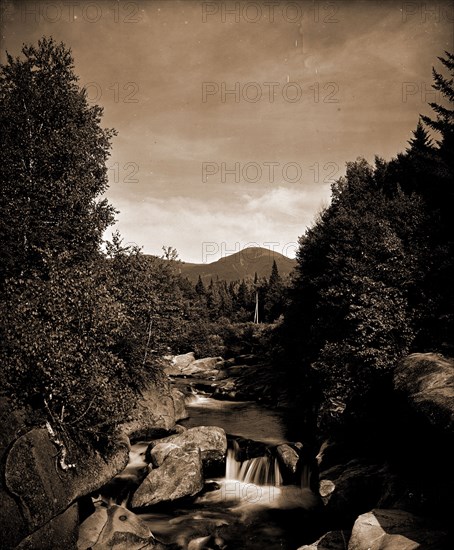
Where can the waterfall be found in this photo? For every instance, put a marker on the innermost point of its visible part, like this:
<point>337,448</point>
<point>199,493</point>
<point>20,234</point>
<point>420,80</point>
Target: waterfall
<point>263,470</point>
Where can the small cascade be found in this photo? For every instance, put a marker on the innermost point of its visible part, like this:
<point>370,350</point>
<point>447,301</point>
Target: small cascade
<point>262,470</point>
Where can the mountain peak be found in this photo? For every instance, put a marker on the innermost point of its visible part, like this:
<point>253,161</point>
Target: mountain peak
<point>239,265</point>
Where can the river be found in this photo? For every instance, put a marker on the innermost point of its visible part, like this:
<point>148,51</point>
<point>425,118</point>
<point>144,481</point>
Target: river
<point>248,508</point>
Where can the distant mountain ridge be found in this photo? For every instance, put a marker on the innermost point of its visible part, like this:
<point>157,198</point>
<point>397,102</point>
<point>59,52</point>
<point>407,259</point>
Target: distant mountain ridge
<point>241,265</point>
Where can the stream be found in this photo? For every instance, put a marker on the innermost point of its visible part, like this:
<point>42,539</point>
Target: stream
<point>248,508</point>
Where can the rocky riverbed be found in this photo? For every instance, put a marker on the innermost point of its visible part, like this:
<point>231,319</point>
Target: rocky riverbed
<point>194,432</point>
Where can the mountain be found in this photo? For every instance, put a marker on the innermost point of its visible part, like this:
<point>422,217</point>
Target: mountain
<point>241,265</point>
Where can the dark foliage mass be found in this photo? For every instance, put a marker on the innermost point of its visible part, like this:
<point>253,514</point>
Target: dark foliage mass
<point>374,275</point>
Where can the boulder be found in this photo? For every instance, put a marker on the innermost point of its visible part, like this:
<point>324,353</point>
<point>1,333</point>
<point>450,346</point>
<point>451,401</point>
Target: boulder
<point>41,489</point>
<point>179,405</point>
<point>211,441</point>
<point>179,362</point>
<point>204,366</point>
<point>395,530</point>
<point>355,487</point>
<point>333,540</point>
<point>179,475</point>
<point>182,361</point>
<point>60,532</point>
<point>115,527</point>
<point>288,458</point>
<point>427,382</point>
<point>154,411</point>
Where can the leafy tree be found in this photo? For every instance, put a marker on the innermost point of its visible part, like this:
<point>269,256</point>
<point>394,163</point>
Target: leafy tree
<point>349,317</point>
<point>53,157</point>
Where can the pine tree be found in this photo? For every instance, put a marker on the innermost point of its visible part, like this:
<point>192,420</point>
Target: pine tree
<point>200,287</point>
<point>421,142</point>
<point>444,119</point>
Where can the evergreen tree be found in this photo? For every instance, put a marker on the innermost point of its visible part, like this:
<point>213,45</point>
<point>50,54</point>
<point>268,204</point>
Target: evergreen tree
<point>200,287</point>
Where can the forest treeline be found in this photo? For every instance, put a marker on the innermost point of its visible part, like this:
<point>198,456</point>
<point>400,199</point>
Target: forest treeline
<point>84,323</point>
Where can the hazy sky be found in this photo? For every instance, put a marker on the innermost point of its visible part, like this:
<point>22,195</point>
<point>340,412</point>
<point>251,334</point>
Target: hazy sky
<point>234,117</point>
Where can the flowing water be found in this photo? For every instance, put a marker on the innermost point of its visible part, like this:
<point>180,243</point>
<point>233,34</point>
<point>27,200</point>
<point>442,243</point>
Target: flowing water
<point>247,509</point>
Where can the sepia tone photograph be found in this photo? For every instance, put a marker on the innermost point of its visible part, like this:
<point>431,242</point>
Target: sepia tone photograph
<point>226,275</point>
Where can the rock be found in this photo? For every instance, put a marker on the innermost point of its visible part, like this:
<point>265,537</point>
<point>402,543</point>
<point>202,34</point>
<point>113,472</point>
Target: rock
<point>160,452</point>
<point>60,532</point>
<point>427,381</point>
<point>288,458</point>
<point>154,411</point>
<point>395,530</point>
<point>44,492</point>
<point>333,540</point>
<point>115,527</point>
<point>358,487</point>
<point>179,475</point>
<point>208,365</point>
<point>325,489</point>
<point>179,405</point>
<point>210,440</point>
<point>182,361</point>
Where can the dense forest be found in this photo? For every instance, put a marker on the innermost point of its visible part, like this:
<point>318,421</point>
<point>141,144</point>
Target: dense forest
<point>84,323</point>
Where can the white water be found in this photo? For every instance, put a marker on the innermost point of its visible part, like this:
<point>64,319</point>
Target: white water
<point>263,470</point>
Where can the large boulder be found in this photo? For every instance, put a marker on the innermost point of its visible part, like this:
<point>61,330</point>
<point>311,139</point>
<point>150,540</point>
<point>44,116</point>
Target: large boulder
<point>395,530</point>
<point>427,382</point>
<point>356,487</point>
<point>115,527</point>
<point>41,489</point>
<point>155,411</point>
<point>211,441</point>
<point>178,476</point>
<point>60,532</point>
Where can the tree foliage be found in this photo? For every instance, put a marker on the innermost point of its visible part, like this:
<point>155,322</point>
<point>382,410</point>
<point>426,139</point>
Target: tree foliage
<point>372,280</point>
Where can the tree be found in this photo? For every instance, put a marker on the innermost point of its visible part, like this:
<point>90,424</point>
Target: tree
<point>274,295</point>
<point>349,318</point>
<point>444,116</point>
<point>170,253</point>
<point>200,287</point>
<point>53,158</point>
<point>61,326</point>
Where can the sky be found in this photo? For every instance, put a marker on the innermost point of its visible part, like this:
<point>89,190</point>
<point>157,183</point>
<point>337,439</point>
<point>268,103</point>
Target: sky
<point>234,118</point>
